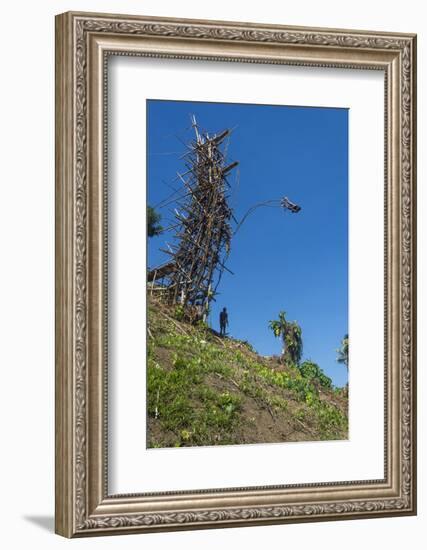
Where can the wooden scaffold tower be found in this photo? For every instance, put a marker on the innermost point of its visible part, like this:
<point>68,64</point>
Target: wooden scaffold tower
<point>203,222</point>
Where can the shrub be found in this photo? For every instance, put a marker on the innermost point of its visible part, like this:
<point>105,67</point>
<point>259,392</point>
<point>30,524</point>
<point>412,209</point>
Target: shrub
<point>311,371</point>
<point>179,312</point>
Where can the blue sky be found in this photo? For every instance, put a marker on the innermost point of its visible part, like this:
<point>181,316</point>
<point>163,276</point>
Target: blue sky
<point>281,261</point>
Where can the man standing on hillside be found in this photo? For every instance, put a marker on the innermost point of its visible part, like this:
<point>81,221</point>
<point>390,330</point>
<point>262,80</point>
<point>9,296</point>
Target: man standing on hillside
<point>223,321</point>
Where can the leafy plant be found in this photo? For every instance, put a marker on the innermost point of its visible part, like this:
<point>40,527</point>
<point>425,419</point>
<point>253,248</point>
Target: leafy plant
<point>311,371</point>
<point>332,422</point>
<point>153,219</point>
<point>343,351</point>
<point>202,325</point>
<point>179,312</point>
<point>291,335</point>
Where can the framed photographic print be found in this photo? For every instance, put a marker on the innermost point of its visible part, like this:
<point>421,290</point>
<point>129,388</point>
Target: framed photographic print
<point>235,274</point>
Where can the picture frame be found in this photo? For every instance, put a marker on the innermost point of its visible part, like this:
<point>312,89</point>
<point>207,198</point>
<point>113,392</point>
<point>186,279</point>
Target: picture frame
<point>84,505</point>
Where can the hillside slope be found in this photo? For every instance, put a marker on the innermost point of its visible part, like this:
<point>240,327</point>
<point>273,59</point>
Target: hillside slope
<point>206,390</point>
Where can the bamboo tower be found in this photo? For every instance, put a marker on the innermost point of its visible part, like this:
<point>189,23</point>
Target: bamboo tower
<point>203,221</point>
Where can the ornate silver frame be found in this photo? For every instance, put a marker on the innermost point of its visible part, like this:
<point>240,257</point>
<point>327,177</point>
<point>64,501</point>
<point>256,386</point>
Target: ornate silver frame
<point>83,505</point>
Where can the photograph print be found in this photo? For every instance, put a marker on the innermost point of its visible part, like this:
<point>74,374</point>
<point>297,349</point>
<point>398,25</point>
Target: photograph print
<point>247,274</point>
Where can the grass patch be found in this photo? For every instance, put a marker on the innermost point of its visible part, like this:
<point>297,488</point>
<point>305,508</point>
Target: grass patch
<point>199,385</point>
<point>183,403</point>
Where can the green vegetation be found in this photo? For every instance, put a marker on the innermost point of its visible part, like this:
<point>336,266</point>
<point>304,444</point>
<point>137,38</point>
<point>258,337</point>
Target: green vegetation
<point>179,312</point>
<point>311,371</point>
<point>153,219</point>
<point>343,352</point>
<point>291,335</point>
<point>205,390</point>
